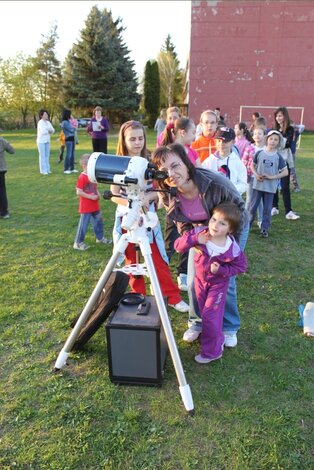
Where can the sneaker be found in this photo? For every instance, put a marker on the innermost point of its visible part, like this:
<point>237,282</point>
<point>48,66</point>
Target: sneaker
<point>264,234</point>
<point>230,340</point>
<point>274,211</point>
<point>80,246</point>
<point>292,216</point>
<point>181,280</point>
<point>180,306</point>
<point>6,216</point>
<point>296,190</point>
<point>104,240</point>
<point>205,360</point>
<point>67,172</point>
<point>74,171</point>
<point>191,334</point>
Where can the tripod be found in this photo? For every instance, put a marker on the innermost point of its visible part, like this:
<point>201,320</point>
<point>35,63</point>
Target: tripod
<point>137,223</point>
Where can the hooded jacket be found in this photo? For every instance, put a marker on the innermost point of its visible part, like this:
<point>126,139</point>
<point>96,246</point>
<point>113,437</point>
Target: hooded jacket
<point>214,189</point>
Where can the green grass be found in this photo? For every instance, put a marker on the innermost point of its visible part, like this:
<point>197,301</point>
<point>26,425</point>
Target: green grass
<point>254,408</point>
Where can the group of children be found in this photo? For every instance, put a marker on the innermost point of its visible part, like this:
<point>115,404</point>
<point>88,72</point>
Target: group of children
<point>253,161</point>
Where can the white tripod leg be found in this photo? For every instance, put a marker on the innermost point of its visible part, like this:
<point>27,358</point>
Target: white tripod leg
<point>64,353</point>
<point>184,388</point>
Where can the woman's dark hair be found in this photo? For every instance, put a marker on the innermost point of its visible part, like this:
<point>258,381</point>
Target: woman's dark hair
<point>246,132</point>
<point>161,154</point>
<point>66,115</point>
<point>41,113</point>
<point>232,214</point>
<point>287,121</point>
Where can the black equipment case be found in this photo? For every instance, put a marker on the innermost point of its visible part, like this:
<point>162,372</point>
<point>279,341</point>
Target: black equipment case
<point>109,299</point>
<point>136,343</point>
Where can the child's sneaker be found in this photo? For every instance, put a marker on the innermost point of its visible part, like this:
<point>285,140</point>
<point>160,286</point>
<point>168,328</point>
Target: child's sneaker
<point>104,240</point>
<point>205,360</point>
<point>180,306</point>
<point>80,246</point>
<point>264,234</point>
<point>292,216</point>
<point>182,279</point>
<point>274,211</point>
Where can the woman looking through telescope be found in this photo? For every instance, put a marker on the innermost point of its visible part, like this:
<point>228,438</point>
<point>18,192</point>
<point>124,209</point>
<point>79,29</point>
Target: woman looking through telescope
<point>132,143</point>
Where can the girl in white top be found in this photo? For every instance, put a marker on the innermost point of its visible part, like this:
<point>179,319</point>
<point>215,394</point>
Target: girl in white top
<point>44,130</point>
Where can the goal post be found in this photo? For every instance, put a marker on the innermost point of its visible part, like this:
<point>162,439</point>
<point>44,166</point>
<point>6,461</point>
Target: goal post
<point>296,111</point>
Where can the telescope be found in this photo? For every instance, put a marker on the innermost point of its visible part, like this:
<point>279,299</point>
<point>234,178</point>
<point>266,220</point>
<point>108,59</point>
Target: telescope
<point>123,171</point>
<point>134,173</point>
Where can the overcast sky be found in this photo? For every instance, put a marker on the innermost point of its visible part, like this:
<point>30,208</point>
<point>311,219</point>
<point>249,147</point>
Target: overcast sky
<point>147,24</point>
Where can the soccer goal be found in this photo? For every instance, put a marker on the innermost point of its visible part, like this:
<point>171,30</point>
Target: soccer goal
<point>296,113</point>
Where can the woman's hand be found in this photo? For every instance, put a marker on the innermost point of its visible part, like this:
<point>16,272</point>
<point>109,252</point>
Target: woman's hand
<point>203,236</point>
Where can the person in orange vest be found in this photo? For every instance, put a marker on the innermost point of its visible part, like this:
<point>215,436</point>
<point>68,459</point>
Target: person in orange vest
<point>206,143</point>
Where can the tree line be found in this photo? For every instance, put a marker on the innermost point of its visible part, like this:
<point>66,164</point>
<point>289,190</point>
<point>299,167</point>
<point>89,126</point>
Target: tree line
<point>96,71</point>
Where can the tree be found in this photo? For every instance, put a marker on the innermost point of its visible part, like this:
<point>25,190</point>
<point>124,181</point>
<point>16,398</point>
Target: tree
<point>170,74</point>
<point>48,68</point>
<point>98,70</point>
<point>151,91</point>
<point>17,84</point>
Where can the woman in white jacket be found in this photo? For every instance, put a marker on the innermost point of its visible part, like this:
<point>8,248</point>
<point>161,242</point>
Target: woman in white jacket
<point>226,161</point>
<point>44,129</point>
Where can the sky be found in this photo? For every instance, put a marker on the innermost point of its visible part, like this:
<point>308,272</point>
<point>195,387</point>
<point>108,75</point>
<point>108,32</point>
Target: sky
<point>147,25</point>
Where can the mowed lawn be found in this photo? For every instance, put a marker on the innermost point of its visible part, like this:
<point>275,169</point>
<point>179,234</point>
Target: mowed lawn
<point>253,408</point>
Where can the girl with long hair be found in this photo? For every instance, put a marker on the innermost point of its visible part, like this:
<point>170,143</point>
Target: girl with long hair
<point>283,125</point>
<point>132,143</point>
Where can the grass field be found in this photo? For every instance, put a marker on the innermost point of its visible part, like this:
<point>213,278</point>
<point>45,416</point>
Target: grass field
<point>253,408</point>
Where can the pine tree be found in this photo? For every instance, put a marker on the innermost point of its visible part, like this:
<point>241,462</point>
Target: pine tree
<point>151,91</point>
<point>49,84</point>
<point>98,70</point>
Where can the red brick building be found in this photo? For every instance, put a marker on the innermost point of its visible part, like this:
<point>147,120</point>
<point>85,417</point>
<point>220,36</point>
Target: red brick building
<point>252,53</point>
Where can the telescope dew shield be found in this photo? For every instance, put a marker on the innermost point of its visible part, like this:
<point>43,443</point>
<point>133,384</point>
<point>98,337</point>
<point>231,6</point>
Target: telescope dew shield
<point>102,168</point>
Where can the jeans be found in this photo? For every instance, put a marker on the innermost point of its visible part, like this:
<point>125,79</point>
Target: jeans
<point>69,156</point>
<point>171,234</point>
<point>231,321</point>
<point>249,192</point>
<point>44,154</point>
<point>267,199</point>
<point>97,223</point>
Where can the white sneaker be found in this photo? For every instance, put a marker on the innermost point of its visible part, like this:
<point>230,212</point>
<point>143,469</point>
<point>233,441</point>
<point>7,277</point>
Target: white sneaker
<point>74,171</point>
<point>67,172</point>
<point>292,216</point>
<point>181,280</point>
<point>104,240</point>
<point>231,340</point>
<point>191,334</point>
<point>180,306</point>
<point>80,246</point>
<point>274,211</point>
